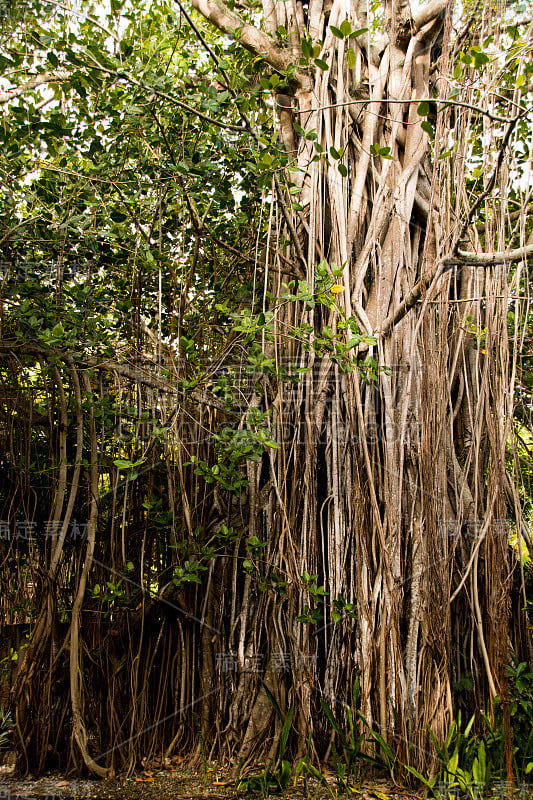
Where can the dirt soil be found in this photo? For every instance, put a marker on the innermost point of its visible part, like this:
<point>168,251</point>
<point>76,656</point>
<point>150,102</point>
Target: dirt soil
<point>178,783</point>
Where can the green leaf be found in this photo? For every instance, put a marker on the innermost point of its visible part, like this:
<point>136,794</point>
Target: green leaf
<point>287,722</point>
<point>307,48</point>
<point>285,776</point>
<point>452,764</point>
<point>321,64</point>
<point>358,32</point>
<point>351,58</point>
<point>428,128</point>
<point>58,330</point>
<point>272,699</point>
<point>118,216</point>
<point>469,726</point>
<point>429,783</point>
<point>123,463</point>
<point>479,57</point>
<point>332,721</point>
<point>345,28</point>
<point>447,154</point>
<point>336,32</point>
<point>343,170</point>
<point>423,109</point>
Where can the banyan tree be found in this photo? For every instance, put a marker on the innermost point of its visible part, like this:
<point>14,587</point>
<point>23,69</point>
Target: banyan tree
<point>329,505</point>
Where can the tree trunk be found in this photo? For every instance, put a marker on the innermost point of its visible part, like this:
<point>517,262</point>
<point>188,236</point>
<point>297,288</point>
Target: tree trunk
<point>391,490</point>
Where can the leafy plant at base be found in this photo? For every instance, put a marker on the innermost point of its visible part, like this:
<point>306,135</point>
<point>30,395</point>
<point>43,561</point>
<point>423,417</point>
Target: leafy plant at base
<point>464,767</point>
<point>276,777</point>
<point>6,729</point>
<point>520,690</point>
<point>350,742</point>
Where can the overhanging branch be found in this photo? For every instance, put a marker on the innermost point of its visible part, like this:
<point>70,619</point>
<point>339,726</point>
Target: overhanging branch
<point>488,259</point>
<point>428,12</point>
<point>139,374</point>
<point>460,258</point>
<point>33,83</point>
<point>249,36</point>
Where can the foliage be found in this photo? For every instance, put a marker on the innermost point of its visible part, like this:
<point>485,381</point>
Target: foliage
<point>6,729</point>
<point>275,777</point>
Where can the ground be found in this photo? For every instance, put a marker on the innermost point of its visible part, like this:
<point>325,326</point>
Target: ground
<point>211,782</point>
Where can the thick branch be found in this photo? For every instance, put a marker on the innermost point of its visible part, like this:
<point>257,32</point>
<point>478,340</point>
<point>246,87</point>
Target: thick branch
<point>428,12</point>
<point>250,37</point>
<point>489,259</point>
<point>514,215</point>
<point>461,258</point>
<point>131,372</point>
<point>407,303</point>
<point>37,80</point>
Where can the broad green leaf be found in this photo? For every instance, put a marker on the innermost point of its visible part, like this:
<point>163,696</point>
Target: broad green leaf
<point>332,721</point>
<point>118,216</point>
<point>345,28</point>
<point>469,726</point>
<point>307,48</point>
<point>453,763</point>
<point>287,722</point>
